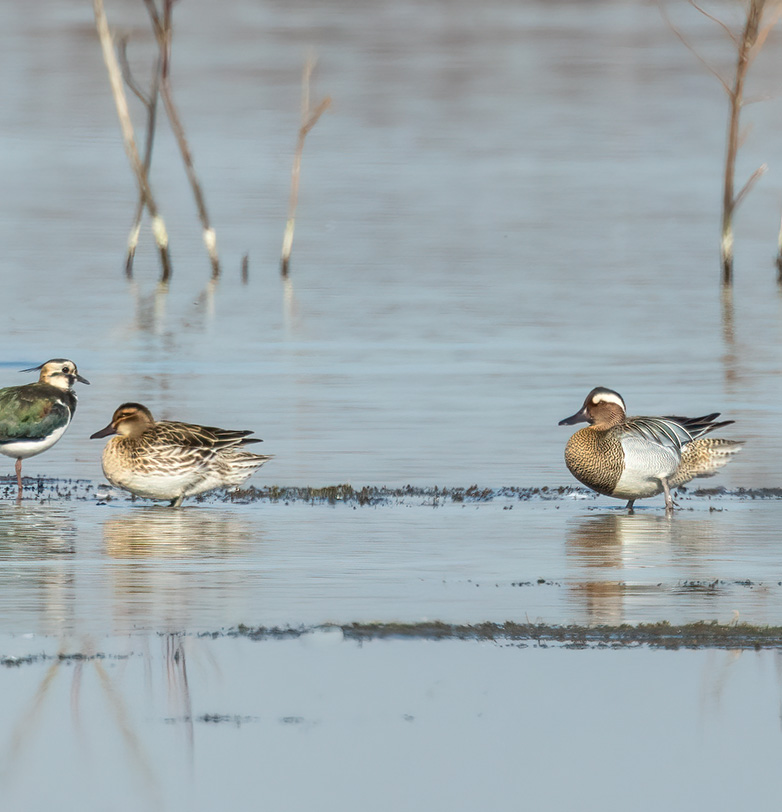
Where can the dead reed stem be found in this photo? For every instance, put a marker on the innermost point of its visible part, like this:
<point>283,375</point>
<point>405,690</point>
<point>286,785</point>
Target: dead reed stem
<point>309,118</point>
<point>128,136</point>
<point>779,255</point>
<point>748,44</point>
<point>149,100</point>
<point>163,33</point>
<point>245,269</point>
<point>747,47</point>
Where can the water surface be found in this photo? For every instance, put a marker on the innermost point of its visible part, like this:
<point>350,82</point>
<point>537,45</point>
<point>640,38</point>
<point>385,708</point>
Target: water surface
<point>506,205</point>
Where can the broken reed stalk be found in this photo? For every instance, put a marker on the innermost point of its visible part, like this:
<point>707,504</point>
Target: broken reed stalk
<point>123,112</point>
<point>245,269</point>
<point>309,118</point>
<point>779,255</point>
<point>163,34</point>
<point>150,103</point>
<point>748,44</point>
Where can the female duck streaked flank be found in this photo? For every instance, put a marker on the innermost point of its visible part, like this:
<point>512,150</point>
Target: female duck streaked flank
<point>34,416</point>
<point>637,457</point>
<point>168,460</point>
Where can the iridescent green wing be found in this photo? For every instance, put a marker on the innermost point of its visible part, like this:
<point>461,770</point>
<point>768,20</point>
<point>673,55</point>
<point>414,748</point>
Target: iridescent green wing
<point>27,412</point>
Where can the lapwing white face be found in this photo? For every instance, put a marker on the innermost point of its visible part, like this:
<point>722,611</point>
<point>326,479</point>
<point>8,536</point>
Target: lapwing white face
<point>59,372</point>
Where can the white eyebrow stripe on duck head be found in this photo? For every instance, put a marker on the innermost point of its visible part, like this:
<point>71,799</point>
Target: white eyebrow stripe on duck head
<point>608,397</point>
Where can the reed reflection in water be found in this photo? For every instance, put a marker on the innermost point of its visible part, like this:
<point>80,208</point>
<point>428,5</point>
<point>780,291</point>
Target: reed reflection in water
<point>111,697</point>
<point>262,714</point>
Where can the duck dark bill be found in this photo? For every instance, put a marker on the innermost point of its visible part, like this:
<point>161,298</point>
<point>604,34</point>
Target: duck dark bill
<point>579,417</point>
<point>104,432</point>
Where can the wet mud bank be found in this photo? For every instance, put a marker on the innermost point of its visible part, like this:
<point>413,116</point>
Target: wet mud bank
<point>692,636</point>
<point>48,489</point>
<point>702,635</point>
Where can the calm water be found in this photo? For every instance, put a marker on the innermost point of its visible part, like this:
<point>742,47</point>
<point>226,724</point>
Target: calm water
<point>76,568</point>
<point>506,205</point>
<point>322,723</point>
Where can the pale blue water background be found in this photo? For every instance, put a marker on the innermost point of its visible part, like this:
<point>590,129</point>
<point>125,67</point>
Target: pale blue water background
<point>321,723</point>
<point>506,205</point>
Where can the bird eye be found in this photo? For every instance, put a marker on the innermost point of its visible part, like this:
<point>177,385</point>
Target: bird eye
<point>65,370</point>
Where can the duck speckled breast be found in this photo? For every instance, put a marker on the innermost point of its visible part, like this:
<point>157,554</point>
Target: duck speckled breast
<point>596,459</point>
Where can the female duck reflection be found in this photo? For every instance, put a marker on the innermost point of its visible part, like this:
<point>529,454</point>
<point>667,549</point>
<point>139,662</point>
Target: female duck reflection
<point>160,532</point>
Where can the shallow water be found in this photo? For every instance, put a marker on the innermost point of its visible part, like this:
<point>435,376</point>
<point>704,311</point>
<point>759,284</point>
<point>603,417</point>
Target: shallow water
<point>504,208</point>
<point>116,569</point>
<point>171,723</point>
<point>506,205</point>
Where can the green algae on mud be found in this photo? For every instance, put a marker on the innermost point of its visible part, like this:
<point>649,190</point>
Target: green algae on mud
<point>700,635</point>
<point>42,489</point>
<point>662,635</point>
<point>8,661</point>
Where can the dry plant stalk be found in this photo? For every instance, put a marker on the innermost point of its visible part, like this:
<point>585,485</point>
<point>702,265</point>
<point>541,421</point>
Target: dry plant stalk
<point>309,118</point>
<point>149,100</point>
<point>163,34</point>
<point>779,255</point>
<point>748,44</point>
<point>245,269</point>
<point>123,112</point>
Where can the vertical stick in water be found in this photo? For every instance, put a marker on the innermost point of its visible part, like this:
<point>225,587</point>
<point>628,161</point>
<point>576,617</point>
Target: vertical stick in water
<point>748,43</point>
<point>779,255</point>
<point>245,269</point>
<point>309,119</point>
<point>123,112</point>
<point>150,103</point>
<point>163,34</point>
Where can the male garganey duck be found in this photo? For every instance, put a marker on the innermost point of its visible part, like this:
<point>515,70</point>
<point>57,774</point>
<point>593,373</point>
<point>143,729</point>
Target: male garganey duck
<point>638,457</point>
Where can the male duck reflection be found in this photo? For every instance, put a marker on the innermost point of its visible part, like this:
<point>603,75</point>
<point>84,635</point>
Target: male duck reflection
<point>637,457</point>
<point>169,461</point>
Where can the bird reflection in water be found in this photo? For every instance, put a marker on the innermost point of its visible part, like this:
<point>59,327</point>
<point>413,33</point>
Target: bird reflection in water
<point>168,567</point>
<point>156,532</point>
<point>36,530</point>
<point>624,547</point>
